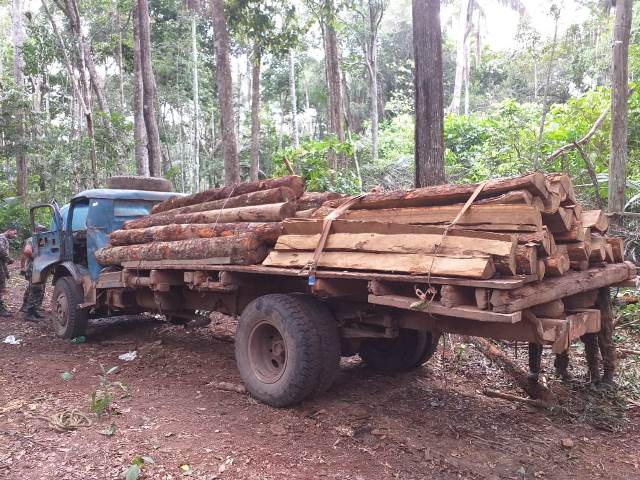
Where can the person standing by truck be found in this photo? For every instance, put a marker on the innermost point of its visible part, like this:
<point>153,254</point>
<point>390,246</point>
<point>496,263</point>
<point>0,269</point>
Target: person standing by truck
<point>5,260</point>
<point>34,293</point>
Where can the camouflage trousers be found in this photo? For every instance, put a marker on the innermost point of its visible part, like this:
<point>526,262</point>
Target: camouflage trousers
<point>33,295</point>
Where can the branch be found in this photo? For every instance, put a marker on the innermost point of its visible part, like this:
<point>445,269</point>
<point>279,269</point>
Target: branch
<point>592,174</point>
<point>583,140</point>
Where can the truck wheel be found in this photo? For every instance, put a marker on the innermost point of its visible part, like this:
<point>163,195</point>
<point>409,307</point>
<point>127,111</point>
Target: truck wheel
<point>407,351</point>
<point>327,328</point>
<point>69,321</point>
<point>132,182</point>
<point>278,350</point>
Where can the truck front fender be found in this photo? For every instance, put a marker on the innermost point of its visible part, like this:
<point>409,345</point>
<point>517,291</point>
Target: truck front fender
<point>80,275</point>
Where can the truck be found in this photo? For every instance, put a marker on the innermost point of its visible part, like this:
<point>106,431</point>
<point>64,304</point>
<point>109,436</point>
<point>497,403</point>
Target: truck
<point>292,329</point>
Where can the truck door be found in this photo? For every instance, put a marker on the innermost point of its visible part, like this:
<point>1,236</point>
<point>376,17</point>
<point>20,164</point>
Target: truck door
<point>47,236</point>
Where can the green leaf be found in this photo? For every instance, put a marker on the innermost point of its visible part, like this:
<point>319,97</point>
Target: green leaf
<point>112,370</point>
<point>133,472</point>
<point>66,376</point>
<point>137,460</point>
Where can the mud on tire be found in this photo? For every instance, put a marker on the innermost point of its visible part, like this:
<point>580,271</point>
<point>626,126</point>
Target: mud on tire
<point>69,321</point>
<point>278,350</point>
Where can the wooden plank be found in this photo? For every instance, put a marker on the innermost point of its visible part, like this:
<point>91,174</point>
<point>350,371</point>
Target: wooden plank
<point>559,287</point>
<point>596,220</point>
<point>503,251</point>
<point>471,267</point>
<point>186,264</point>
<point>492,215</point>
<point>542,238</point>
<point>578,233</point>
<point>557,264</point>
<point>617,244</point>
<point>560,221</point>
<point>436,308</point>
<point>447,194</point>
<point>455,296</point>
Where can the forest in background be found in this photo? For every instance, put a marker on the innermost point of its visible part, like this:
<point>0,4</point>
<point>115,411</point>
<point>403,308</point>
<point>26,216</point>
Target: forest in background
<point>104,87</point>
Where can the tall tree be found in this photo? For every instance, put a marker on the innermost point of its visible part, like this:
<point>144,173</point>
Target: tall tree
<point>294,98</point>
<point>225,93</point>
<point>17,31</point>
<point>464,28</point>
<point>195,174</point>
<point>429,125</point>
<point>256,62</point>
<point>139,128</point>
<point>148,90</point>
<point>619,107</point>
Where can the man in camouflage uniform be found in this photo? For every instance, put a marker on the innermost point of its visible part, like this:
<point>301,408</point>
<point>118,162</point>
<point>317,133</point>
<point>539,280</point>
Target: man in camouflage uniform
<point>5,260</point>
<point>34,293</point>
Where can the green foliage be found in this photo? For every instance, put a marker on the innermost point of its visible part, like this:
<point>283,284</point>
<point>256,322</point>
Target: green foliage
<point>310,161</point>
<point>102,398</point>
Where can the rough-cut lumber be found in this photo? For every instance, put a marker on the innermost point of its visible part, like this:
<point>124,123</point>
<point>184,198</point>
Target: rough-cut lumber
<point>514,197</point>
<point>456,296</point>
<point>598,251</point>
<point>541,270</point>
<point>560,221</point>
<point>578,251</point>
<point>436,308</point>
<point>577,234</point>
<point>617,244</point>
<point>551,204</point>
<point>596,220</point>
<point>293,182</point>
<point>527,259</point>
<point>581,300</point>
<point>580,265</point>
<point>502,251</point>
<point>242,249</point>
<point>266,232</point>
<point>561,183</point>
<point>553,288</point>
<point>275,212</point>
<point>492,215</point>
<point>482,298</point>
<point>471,267</point>
<point>553,309</point>
<point>610,256</point>
<point>261,197</point>
<point>541,238</point>
<point>315,199</point>
<point>557,264</point>
<point>447,194</point>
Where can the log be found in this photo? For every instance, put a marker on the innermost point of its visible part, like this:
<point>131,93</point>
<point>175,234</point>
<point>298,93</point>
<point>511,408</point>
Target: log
<point>243,249</point>
<point>551,204</point>
<point>316,199</point>
<point>293,182</point>
<point>617,244</point>
<point>560,221</point>
<point>580,265</point>
<point>578,251</point>
<point>557,264</point>
<point>515,197</point>
<point>596,220</point>
<point>497,356</point>
<point>527,259</point>
<point>508,301</point>
<point>581,300</point>
<point>261,197</point>
<point>275,212</point>
<point>491,215</point>
<point>472,267</point>
<point>305,213</point>
<point>541,238</point>
<point>266,232</point>
<point>561,183</point>
<point>503,251</point>
<point>577,234</point>
<point>447,194</point>
<point>598,252</point>
<point>553,309</point>
<point>513,398</point>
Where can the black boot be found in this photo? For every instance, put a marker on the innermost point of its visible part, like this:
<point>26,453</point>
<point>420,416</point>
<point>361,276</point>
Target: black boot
<point>30,316</point>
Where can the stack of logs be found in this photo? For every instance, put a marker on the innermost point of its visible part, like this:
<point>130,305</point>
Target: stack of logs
<point>530,225</point>
<point>233,225</point>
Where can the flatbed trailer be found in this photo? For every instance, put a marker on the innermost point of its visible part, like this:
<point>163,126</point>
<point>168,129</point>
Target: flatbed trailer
<point>292,327</point>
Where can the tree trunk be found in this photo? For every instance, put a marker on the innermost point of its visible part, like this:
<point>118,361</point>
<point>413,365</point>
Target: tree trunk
<point>461,53</point>
<point>120,60</point>
<point>375,15</point>
<point>255,114</point>
<point>18,71</point>
<point>294,98</point>
<point>148,90</point>
<point>619,107</point>
<point>429,127</point>
<point>139,128</point>
<point>196,106</point>
<point>225,94</point>
<point>334,84</point>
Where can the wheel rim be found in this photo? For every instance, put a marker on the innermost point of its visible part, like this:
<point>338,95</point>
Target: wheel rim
<point>267,352</point>
<point>61,314</point>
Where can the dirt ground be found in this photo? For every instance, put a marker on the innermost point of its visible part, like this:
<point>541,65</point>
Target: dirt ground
<point>432,423</point>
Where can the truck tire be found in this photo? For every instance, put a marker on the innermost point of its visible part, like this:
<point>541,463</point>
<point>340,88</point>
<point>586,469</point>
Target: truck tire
<point>278,350</point>
<point>327,328</point>
<point>69,320</point>
<point>407,351</point>
<point>132,182</point>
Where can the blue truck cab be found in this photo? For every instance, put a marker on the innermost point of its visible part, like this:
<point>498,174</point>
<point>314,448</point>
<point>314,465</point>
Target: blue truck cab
<point>66,250</point>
